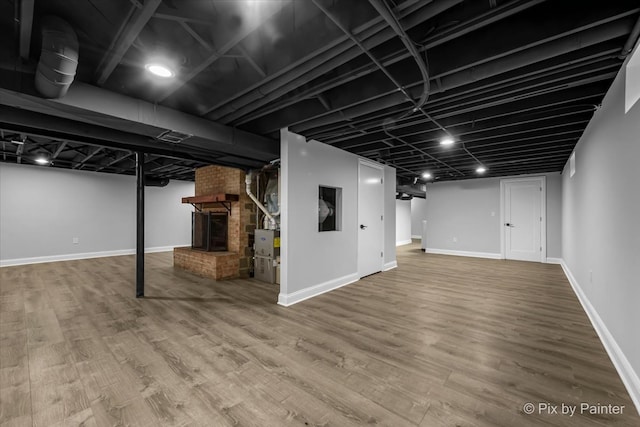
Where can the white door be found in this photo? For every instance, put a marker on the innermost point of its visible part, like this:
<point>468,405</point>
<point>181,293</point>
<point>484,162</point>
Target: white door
<point>523,219</point>
<point>370,219</point>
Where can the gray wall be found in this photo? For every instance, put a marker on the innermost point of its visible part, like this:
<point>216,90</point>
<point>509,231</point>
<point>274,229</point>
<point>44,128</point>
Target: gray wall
<point>314,262</point>
<point>389,217</point>
<point>42,209</point>
<point>601,220</point>
<point>403,222</point>
<point>469,211</point>
<point>418,214</point>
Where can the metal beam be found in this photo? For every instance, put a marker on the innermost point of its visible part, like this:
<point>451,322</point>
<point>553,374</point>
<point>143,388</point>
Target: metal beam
<point>139,224</point>
<point>26,27</point>
<point>269,10</point>
<point>131,27</point>
<point>124,115</point>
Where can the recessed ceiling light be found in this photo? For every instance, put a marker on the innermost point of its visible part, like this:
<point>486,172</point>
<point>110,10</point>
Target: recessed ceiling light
<point>426,175</point>
<point>447,140</point>
<point>42,160</point>
<point>159,70</point>
<point>481,169</point>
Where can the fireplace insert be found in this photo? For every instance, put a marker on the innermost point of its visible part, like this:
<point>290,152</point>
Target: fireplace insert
<point>209,231</point>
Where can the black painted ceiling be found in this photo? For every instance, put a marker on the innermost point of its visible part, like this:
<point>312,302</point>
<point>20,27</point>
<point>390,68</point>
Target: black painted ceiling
<point>514,82</point>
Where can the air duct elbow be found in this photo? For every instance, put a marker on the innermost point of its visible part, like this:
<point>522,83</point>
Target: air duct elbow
<point>271,219</point>
<point>58,59</point>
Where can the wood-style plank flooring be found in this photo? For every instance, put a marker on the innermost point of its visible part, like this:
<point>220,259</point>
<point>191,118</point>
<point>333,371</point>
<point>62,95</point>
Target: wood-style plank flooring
<point>439,341</point>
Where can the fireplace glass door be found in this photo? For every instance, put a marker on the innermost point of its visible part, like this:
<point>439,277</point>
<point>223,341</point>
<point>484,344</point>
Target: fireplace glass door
<point>209,231</point>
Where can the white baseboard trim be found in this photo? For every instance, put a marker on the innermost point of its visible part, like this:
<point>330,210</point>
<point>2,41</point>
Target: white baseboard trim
<point>416,236</point>
<point>85,255</point>
<point>390,265</point>
<point>554,260</point>
<point>303,294</point>
<point>629,377</point>
<point>463,253</point>
<point>404,242</point>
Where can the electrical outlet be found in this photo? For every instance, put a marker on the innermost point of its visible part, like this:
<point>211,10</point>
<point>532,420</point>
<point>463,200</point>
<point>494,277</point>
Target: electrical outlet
<point>455,239</point>
<point>76,240</point>
<point>493,213</point>
<point>590,276</point>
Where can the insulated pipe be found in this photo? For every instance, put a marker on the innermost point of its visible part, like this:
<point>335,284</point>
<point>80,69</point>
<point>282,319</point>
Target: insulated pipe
<point>247,180</point>
<point>58,60</point>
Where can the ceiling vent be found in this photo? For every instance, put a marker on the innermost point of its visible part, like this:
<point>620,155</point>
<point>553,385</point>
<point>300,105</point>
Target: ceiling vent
<point>173,136</point>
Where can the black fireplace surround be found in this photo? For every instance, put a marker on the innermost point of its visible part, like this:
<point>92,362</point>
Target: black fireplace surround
<point>209,231</point>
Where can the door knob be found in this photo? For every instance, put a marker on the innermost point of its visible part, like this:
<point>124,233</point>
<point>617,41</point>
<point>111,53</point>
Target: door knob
<point>362,227</point>
<point>508,224</point>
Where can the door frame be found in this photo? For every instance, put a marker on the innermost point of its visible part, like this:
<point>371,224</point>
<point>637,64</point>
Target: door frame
<point>543,211</point>
<point>363,162</point>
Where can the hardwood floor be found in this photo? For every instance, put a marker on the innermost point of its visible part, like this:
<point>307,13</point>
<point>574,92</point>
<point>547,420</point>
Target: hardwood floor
<point>439,341</point>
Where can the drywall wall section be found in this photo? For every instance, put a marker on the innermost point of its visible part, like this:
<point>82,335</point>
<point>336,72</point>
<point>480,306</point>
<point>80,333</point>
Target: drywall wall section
<point>389,218</point>
<point>167,222</point>
<point>315,262</point>
<point>418,214</point>
<point>632,81</point>
<point>463,217</point>
<point>42,211</point>
<point>554,217</point>
<point>403,222</point>
<point>600,229</point>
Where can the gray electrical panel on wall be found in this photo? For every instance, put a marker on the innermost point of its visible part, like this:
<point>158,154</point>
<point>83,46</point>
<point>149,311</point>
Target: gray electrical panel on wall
<point>267,255</point>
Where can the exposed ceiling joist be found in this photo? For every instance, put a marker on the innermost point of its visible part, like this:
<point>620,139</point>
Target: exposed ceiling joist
<point>59,149</point>
<point>129,31</point>
<point>89,156</point>
<point>268,10</point>
<point>115,161</point>
<point>247,56</point>
<point>373,33</point>
<point>26,27</point>
<point>514,81</point>
<point>196,36</point>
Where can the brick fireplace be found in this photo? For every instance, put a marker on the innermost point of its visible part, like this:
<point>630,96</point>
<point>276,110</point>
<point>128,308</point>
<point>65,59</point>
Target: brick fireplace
<point>235,261</point>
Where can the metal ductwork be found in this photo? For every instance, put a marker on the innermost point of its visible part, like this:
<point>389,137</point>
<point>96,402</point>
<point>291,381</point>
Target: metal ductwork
<point>155,182</point>
<point>58,59</point>
<point>407,189</point>
<point>403,196</point>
